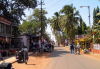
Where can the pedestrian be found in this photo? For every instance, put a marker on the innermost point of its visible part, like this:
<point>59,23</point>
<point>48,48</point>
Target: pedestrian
<point>72,48</point>
<point>25,54</point>
<point>77,49</point>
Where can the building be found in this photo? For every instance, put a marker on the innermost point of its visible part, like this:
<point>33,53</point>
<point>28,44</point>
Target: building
<point>5,30</point>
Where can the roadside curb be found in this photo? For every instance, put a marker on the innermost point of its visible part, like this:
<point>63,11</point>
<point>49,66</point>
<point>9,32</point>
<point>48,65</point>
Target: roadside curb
<point>9,60</point>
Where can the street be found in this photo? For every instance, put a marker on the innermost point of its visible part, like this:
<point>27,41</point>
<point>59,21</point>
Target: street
<point>59,59</point>
<point>39,34</point>
<point>64,60</point>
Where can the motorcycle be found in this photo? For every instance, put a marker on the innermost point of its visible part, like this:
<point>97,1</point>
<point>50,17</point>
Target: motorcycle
<point>86,51</point>
<point>47,47</point>
<point>22,56</point>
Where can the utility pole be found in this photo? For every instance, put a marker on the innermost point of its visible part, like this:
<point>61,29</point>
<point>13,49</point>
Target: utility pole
<point>41,19</point>
<point>89,16</point>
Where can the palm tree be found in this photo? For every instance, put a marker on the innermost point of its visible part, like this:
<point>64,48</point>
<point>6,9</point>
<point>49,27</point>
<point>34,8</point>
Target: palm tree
<point>69,20</point>
<point>56,27</point>
<point>56,21</point>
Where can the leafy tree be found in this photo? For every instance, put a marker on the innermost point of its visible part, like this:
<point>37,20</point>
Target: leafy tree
<point>69,20</point>
<point>67,24</point>
<point>29,27</point>
<point>37,16</point>
<point>55,23</point>
<point>96,26</point>
<point>81,29</point>
<point>95,17</point>
<point>14,9</point>
<point>33,24</point>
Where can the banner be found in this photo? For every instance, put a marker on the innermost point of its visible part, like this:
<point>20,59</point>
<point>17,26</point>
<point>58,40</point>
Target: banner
<point>96,46</point>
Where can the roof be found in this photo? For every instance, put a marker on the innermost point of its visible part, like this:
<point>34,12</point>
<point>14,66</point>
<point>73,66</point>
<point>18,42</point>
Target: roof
<point>5,21</point>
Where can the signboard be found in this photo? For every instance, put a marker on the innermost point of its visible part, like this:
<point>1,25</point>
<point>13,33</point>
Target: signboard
<point>79,36</point>
<point>96,46</point>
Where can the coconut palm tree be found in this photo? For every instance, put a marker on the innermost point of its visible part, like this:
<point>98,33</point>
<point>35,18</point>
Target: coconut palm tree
<point>69,20</point>
<point>55,23</point>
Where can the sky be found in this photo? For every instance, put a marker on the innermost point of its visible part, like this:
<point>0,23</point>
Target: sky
<point>52,6</point>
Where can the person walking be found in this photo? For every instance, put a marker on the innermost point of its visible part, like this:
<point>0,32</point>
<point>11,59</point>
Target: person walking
<point>77,49</point>
<point>25,54</point>
<point>72,48</point>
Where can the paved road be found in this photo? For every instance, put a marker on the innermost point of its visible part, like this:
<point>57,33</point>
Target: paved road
<point>61,59</point>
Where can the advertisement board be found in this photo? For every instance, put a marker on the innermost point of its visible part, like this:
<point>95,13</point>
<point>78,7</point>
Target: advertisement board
<point>96,46</point>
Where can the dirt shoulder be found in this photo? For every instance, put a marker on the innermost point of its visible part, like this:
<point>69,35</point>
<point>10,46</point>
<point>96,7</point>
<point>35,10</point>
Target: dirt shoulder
<point>35,62</point>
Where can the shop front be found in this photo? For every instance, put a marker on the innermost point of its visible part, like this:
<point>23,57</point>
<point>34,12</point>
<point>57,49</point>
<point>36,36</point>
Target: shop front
<point>96,48</point>
<point>5,35</point>
<point>85,43</point>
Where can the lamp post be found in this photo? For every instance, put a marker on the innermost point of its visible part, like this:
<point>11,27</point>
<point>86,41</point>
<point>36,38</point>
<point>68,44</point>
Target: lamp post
<point>89,20</point>
<point>88,12</point>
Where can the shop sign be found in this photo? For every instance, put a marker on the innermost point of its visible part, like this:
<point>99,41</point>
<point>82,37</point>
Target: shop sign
<point>79,36</point>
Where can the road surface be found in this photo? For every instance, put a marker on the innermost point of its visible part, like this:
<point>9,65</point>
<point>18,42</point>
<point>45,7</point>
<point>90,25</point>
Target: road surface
<point>62,59</point>
<point>59,59</point>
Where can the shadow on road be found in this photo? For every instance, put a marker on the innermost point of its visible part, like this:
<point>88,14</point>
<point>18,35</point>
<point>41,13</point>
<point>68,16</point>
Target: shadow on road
<point>59,52</point>
<point>31,64</point>
<point>56,53</point>
<point>42,55</point>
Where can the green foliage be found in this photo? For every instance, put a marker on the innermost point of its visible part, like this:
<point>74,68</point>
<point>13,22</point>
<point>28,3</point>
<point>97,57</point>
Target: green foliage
<point>69,21</point>
<point>30,27</point>
<point>82,28</point>
<point>14,9</point>
<point>37,14</point>
<point>55,24</point>
<point>96,26</point>
<point>38,17</point>
<point>33,24</point>
<point>67,24</point>
<point>95,17</point>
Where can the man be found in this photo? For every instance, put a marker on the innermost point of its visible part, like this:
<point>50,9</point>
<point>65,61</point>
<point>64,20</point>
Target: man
<point>78,48</point>
<point>72,47</point>
<point>25,54</point>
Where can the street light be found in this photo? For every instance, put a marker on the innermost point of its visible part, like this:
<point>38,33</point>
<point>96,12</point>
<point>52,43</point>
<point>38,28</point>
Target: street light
<point>89,18</point>
<point>88,12</point>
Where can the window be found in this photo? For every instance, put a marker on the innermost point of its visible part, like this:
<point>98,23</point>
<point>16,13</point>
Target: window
<point>0,28</point>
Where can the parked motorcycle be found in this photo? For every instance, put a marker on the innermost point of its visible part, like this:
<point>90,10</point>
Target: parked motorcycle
<point>47,47</point>
<point>22,56</point>
<point>86,51</point>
